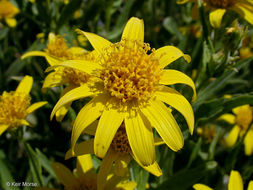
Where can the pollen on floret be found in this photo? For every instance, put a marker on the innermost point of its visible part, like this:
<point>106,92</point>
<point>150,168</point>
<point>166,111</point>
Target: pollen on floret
<point>120,141</point>
<point>74,76</point>
<point>57,47</point>
<point>129,72</point>
<point>13,106</point>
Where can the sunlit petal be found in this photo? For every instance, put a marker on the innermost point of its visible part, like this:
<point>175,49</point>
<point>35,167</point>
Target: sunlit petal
<point>179,102</point>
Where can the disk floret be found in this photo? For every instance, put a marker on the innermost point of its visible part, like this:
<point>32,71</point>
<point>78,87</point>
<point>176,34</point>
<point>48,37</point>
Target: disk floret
<point>13,106</point>
<point>129,72</point>
<point>120,141</point>
<point>220,3</point>
<point>74,76</point>
<point>57,47</point>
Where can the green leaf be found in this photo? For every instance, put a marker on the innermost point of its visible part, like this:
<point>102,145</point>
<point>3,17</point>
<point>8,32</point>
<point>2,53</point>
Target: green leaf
<point>35,165</point>
<point>186,178</point>
<point>219,83</point>
<point>195,152</point>
<point>45,162</point>
<point>5,176</point>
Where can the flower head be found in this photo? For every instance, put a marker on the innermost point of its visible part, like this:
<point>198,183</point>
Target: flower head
<point>130,88</point>
<point>235,183</point>
<point>242,118</point>
<point>85,178</point>
<point>208,132</point>
<point>15,106</point>
<point>117,157</point>
<point>218,8</point>
<point>8,12</point>
<point>57,50</point>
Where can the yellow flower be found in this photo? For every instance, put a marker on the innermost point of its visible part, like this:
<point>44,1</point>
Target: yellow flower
<point>57,51</point>
<point>117,157</point>
<point>86,178</point>
<point>208,132</point>
<point>218,8</point>
<point>15,106</point>
<point>235,183</point>
<point>130,87</point>
<point>246,50</point>
<point>8,12</point>
<point>241,119</point>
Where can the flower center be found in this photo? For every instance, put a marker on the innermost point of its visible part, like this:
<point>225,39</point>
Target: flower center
<point>13,107</point>
<point>74,77</point>
<point>129,72</point>
<point>7,9</point>
<point>120,141</point>
<point>57,48</point>
<point>220,3</point>
<point>244,118</point>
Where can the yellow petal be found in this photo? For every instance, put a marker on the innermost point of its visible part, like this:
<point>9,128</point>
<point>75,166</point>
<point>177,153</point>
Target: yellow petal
<point>158,141</point>
<point>98,43</point>
<point>248,143</point>
<point>52,80</point>
<point>231,139</point>
<point>235,181</point>
<point>11,22</point>
<point>108,125</point>
<point>105,168</point>
<point>179,102</point>
<point>91,129</point>
<point>85,147</point>
<point>89,113</point>
<point>84,164</point>
<point>120,168</point>
<point>215,17</point>
<point>62,111</point>
<point>77,93</point>
<point>25,85</point>
<point>3,128</point>
<point>53,60</point>
<point>165,124</point>
<point>23,122</point>
<point>183,1</point>
<point>60,114</point>
<point>250,186</point>
<point>64,175</point>
<point>35,106</point>
<point>168,54</point>
<point>153,168</point>
<point>170,77</point>
<point>131,185</point>
<point>134,30</point>
<point>140,137</point>
<point>230,118</point>
<point>201,187</point>
<point>33,53</point>
<point>245,10</point>
<point>245,108</point>
<point>82,65</point>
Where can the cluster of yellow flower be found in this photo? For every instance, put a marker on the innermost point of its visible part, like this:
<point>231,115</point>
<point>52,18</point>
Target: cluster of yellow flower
<point>130,111</point>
